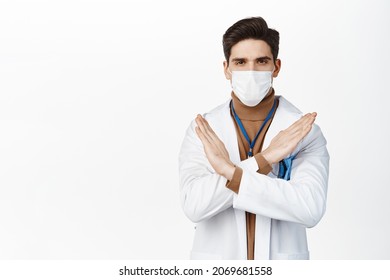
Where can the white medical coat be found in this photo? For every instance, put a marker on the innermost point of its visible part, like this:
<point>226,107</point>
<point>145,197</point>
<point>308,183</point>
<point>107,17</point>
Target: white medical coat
<point>284,209</point>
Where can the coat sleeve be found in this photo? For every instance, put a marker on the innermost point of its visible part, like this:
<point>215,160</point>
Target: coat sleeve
<point>302,199</point>
<point>202,191</point>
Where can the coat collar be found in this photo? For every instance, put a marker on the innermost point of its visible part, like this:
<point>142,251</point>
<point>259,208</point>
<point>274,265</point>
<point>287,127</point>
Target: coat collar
<point>285,115</point>
<point>256,113</point>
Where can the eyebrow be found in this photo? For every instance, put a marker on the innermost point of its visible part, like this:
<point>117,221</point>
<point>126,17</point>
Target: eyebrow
<point>258,58</point>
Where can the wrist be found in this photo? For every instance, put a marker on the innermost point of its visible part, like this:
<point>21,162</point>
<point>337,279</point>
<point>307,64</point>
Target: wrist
<point>229,171</point>
<point>267,157</point>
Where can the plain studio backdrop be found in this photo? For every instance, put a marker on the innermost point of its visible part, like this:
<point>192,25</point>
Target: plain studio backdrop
<point>95,98</point>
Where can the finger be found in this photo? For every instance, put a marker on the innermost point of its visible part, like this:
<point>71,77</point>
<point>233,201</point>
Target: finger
<point>310,121</point>
<point>201,136</point>
<point>304,120</point>
<point>208,131</point>
<point>304,130</point>
<point>301,123</point>
<point>297,123</point>
<point>295,141</point>
<point>307,129</point>
<point>297,132</point>
<point>217,142</point>
<point>214,139</point>
<point>202,128</point>
<point>314,117</point>
<point>299,136</point>
<point>209,147</point>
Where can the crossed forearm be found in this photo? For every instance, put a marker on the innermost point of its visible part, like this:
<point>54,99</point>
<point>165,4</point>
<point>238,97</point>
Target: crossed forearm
<point>281,145</point>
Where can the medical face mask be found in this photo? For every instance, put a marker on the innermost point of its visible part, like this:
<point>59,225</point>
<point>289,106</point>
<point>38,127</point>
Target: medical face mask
<point>251,86</point>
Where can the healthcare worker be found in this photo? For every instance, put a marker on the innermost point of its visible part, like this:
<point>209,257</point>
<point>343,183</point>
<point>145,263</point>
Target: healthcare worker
<point>254,170</point>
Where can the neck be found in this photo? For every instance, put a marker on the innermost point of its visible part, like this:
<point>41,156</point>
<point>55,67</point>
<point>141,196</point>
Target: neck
<point>255,113</point>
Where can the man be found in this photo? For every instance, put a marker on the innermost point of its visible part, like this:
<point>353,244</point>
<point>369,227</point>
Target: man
<point>249,202</point>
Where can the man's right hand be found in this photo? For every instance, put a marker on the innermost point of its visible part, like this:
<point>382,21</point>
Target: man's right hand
<point>287,140</point>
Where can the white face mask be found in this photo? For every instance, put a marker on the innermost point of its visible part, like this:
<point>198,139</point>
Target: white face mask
<point>251,86</point>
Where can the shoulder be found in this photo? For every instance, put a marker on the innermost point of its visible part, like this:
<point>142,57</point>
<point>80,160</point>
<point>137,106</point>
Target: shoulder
<point>287,106</point>
<point>215,116</point>
<point>296,113</point>
<point>289,113</point>
<point>218,111</point>
<point>315,138</point>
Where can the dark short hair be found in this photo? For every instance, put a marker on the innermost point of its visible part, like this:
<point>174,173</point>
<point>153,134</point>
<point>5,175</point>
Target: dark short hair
<point>250,28</point>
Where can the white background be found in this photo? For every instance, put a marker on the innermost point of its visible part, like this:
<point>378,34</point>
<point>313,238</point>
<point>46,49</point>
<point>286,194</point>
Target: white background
<point>95,97</point>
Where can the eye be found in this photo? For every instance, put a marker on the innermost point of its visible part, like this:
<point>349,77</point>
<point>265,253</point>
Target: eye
<point>262,61</point>
<point>239,62</point>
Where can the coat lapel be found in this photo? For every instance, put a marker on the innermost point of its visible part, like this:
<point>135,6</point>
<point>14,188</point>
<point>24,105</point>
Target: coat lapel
<point>230,136</point>
<point>284,116</point>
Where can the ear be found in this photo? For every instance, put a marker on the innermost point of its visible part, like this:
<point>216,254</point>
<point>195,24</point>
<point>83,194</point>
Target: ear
<point>225,70</point>
<point>278,65</point>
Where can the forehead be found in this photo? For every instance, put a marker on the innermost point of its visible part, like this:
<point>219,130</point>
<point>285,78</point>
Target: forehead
<point>250,49</point>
